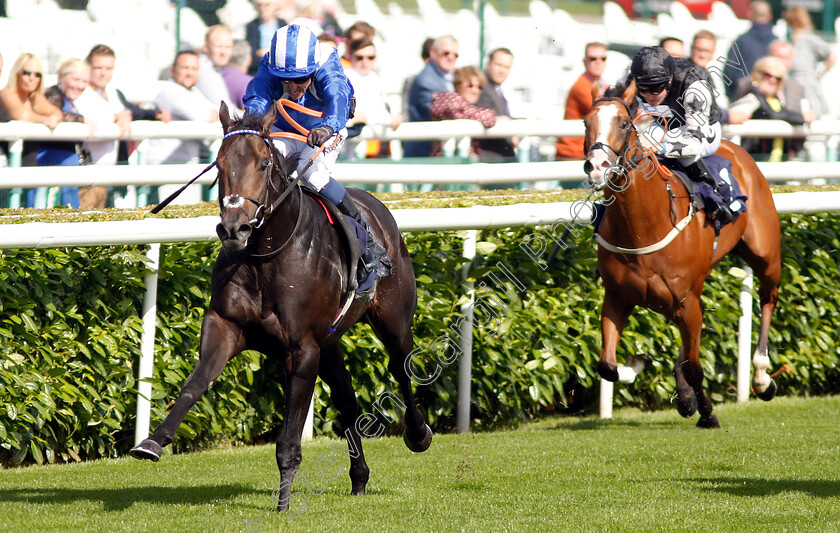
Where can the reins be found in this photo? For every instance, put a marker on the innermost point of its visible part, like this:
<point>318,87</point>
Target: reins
<point>665,174</point>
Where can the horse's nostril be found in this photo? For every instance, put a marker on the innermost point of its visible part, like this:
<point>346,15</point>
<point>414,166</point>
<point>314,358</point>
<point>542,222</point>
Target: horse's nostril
<point>605,164</point>
<point>244,229</point>
<point>221,232</point>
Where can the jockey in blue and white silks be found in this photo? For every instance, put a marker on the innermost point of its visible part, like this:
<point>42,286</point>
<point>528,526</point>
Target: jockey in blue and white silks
<point>300,68</point>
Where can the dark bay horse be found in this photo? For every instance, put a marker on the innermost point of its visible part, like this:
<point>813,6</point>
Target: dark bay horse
<point>645,259</point>
<point>277,286</point>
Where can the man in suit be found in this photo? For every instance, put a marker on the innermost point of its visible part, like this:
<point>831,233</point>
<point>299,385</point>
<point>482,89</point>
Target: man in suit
<point>499,63</point>
<point>435,77</point>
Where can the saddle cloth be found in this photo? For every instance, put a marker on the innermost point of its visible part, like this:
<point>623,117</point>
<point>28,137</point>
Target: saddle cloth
<point>730,192</point>
<point>357,237</point>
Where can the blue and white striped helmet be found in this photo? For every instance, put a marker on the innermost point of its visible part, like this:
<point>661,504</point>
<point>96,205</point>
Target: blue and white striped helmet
<point>294,52</point>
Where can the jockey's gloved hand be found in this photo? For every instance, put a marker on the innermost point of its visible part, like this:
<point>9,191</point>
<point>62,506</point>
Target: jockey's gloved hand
<point>318,136</point>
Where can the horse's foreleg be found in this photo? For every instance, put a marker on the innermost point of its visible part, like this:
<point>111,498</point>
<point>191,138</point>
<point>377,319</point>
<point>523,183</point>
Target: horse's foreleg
<point>220,341</point>
<point>301,371</point>
<point>614,314</point>
<point>688,370</point>
<point>763,384</point>
<point>335,375</point>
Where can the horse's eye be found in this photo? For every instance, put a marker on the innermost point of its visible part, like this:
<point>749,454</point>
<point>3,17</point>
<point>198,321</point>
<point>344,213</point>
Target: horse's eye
<point>263,164</point>
<point>624,124</point>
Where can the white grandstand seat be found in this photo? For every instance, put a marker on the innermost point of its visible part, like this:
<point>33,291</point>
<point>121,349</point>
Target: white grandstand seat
<point>369,11</point>
<point>685,23</point>
<point>395,10</point>
<point>539,11</point>
<point>430,10</point>
<point>236,14</point>
<point>193,29</point>
<point>724,23</point>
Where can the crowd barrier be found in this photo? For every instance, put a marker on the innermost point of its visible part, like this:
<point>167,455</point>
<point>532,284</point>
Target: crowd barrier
<point>457,133</point>
<point>157,231</point>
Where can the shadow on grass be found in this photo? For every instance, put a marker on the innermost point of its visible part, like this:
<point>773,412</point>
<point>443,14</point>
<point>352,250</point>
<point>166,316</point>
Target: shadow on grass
<point>590,424</point>
<point>120,499</point>
<point>770,487</point>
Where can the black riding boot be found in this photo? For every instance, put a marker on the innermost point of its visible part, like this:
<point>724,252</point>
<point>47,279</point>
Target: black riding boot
<point>699,172</point>
<point>370,256</point>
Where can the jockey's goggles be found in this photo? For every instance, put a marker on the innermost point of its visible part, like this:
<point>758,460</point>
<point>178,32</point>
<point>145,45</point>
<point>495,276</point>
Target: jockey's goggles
<point>298,81</point>
<point>653,89</point>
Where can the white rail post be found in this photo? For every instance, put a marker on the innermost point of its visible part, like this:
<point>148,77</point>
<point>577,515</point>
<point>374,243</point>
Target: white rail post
<point>15,160</point>
<point>465,361</point>
<point>147,345</point>
<point>745,337</point>
<point>606,405</point>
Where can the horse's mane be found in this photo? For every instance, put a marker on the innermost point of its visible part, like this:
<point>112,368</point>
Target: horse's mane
<point>617,91</point>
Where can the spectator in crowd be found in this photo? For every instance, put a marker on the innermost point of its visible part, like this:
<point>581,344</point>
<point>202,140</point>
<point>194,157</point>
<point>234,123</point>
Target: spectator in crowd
<point>371,107</point>
<point>181,96</point>
<point>763,101</point>
<point>236,74</point>
<point>748,47</point>
<point>104,104</point>
<point>323,17</point>
<point>259,31</point>
<point>358,30</point>
<point>703,48</point>
<point>436,76</point>
<point>218,47</point>
<point>23,98</point>
<point>447,105</point>
<point>793,96</point>
<point>499,63</point>
<point>314,79</point>
<point>4,117</point>
<point>73,79</point>
<point>673,46</point>
<point>812,57</point>
<point>579,99</point>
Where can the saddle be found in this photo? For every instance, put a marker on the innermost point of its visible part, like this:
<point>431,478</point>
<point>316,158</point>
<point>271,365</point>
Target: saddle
<point>703,195</point>
<point>355,238</point>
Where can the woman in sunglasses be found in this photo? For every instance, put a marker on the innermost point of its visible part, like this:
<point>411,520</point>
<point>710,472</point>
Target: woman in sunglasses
<point>23,97</point>
<point>764,99</point>
<point>468,82</point>
<point>687,127</point>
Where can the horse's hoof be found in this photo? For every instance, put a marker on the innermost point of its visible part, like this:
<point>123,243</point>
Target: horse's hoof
<point>359,492</point>
<point>147,449</point>
<point>423,444</point>
<point>706,423</point>
<point>769,393</point>
<point>688,407</point>
<point>608,371</point>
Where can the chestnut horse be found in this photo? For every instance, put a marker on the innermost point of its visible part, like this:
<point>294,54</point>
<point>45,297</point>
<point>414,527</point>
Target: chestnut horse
<point>277,286</point>
<point>655,251</point>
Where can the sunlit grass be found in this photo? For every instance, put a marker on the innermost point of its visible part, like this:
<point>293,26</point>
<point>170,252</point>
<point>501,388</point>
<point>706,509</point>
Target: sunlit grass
<point>771,466</point>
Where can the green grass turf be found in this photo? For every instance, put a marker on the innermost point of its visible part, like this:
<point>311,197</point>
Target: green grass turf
<point>771,467</point>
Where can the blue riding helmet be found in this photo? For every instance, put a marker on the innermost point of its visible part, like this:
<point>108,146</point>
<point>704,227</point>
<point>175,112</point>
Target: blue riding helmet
<point>294,52</point>
<point>652,67</point>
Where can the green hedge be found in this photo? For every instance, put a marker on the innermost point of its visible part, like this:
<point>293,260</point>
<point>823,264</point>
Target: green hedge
<point>70,337</point>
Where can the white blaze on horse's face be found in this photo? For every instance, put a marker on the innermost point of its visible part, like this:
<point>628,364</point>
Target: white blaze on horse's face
<point>600,158</point>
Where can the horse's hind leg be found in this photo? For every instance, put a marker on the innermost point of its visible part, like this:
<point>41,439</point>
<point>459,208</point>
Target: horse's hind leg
<point>768,271</point>
<point>301,371</point>
<point>220,341</point>
<point>688,370</point>
<point>394,330</point>
<point>335,375</point>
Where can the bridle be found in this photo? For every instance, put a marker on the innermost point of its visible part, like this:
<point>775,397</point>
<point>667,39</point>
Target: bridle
<point>264,208</point>
<point>620,153</point>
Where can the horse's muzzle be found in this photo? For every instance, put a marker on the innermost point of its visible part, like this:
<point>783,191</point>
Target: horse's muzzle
<point>233,234</point>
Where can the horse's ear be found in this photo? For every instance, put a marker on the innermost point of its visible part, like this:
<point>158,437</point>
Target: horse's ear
<point>224,116</point>
<point>596,90</point>
<point>268,120</point>
<point>629,93</point>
